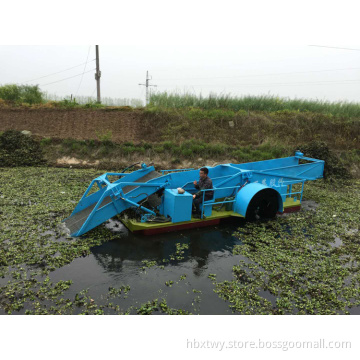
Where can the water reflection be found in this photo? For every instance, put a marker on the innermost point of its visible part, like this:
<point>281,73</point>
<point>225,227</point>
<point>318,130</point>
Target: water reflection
<point>134,249</point>
<point>120,262</point>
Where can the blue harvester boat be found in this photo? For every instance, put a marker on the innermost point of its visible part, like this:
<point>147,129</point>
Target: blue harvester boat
<point>251,190</point>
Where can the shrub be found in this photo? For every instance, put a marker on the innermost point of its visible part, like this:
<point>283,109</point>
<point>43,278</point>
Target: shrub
<point>90,143</point>
<point>93,105</point>
<point>76,146</point>
<point>240,156</point>
<point>158,149</point>
<point>187,152</point>
<point>68,104</point>
<point>218,149</point>
<point>129,150</point>
<point>17,149</point>
<point>45,141</point>
<point>29,94</point>
<point>68,142</point>
<point>333,165</point>
<point>168,145</point>
<point>10,92</point>
<point>146,145</point>
<point>104,150</point>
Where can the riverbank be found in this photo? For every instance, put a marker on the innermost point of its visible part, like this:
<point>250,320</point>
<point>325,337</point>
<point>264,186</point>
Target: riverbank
<point>155,125</point>
<point>115,137</point>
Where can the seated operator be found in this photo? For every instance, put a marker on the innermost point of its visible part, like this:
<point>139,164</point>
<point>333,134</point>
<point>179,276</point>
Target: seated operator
<point>204,183</point>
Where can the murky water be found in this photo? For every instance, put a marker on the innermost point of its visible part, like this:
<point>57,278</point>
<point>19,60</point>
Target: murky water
<point>120,262</point>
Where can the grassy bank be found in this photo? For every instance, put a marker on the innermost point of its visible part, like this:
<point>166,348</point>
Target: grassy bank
<point>284,127</point>
<point>191,153</point>
<point>166,152</point>
<point>266,103</point>
<point>17,149</point>
<point>287,128</point>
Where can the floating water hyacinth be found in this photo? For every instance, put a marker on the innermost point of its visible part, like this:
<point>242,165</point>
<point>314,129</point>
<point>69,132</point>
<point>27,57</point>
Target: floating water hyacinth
<point>287,266</point>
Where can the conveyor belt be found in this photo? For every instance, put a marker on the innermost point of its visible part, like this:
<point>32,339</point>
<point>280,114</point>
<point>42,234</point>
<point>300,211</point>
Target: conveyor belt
<point>75,222</point>
<point>144,179</point>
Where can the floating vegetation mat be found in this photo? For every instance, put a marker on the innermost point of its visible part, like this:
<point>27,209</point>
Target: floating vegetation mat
<point>306,263</point>
<point>301,263</point>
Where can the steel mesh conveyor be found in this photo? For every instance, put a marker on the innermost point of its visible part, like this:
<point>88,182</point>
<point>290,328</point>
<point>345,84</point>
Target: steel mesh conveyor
<point>76,221</point>
<point>145,178</point>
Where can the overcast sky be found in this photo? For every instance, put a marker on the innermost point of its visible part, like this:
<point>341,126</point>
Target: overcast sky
<point>228,47</point>
<point>287,71</point>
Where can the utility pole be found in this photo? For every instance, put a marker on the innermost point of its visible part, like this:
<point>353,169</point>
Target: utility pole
<point>147,85</point>
<point>97,74</point>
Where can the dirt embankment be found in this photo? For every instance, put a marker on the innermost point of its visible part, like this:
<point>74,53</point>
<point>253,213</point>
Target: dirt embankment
<point>153,125</point>
<point>78,124</point>
<point>173,138</point>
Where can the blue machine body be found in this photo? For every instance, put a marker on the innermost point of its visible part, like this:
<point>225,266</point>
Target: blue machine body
<point>233,184</point>
<point>177,206</point>
<point>245,195</point>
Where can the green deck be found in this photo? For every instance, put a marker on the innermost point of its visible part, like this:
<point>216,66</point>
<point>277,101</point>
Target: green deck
<point>134,225</point>
<point>289,202</point>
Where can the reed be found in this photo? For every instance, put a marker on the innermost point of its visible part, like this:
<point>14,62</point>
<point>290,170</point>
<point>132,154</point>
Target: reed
<point>267,103</point>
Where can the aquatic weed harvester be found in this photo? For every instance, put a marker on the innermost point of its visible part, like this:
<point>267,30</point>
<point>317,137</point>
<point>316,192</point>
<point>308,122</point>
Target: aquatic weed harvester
<point>251,190</point>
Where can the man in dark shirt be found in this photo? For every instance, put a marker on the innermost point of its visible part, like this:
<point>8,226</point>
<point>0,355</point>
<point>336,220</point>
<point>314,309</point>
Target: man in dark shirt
<point>204,183</point>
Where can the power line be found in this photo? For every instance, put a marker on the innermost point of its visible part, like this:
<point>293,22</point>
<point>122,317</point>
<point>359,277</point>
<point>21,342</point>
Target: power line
<point>83,71</point>
<point>334,47</point>
<point>309,83</point>
<point>59,71</point>
<point>54,82</point>
<point>281,84</point>
<point>261,75</point>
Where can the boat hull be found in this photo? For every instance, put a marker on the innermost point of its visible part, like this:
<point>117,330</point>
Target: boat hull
<point>137,227</point>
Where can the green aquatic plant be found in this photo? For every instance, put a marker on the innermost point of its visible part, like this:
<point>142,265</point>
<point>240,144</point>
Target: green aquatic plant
<point>291,265</point>
<point>179,252</point>
<point>294,262</point>
<point>18,149</point>
<point>212,277</point>
<point>113,292</point>
<point>155,306</point>
<point>148,264</point>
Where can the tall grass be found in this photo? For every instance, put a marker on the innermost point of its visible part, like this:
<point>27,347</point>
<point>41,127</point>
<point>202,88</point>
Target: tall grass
<point>266,103</point>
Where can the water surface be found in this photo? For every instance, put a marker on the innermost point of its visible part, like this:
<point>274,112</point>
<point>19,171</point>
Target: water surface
<point>120,262</point>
